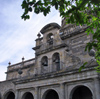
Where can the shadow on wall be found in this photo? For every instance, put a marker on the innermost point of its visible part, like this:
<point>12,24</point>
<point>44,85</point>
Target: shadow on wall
<point>10,95</point>
<point>28,95</point>
<point>50,94</point>
<point>81,92</point>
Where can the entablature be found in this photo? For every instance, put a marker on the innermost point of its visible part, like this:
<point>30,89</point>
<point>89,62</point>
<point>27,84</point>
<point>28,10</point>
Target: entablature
<point>47,48</point>
<point>67,72</point>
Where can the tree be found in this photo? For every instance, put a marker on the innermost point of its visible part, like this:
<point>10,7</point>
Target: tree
<point>75,11</point>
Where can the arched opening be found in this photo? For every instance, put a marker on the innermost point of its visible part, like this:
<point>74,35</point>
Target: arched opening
<point>44,64</point>
<point>51,94</point>
<point>50,38</point>
<point>82,92</point>
<point>0,95</point>
<point>10,95</point>
<point>56,61</point>
<point>28,95</point>
<point>44,61</point>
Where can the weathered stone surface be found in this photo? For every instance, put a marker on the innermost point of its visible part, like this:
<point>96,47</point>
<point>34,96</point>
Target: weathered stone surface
<point>60,77</point>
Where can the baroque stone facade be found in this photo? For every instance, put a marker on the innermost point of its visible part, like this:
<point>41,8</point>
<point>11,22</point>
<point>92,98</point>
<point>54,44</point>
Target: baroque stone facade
<point>54,72</point>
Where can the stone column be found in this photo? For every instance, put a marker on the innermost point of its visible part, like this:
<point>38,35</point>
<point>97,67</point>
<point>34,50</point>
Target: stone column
<point>50,64</point>
<point>62,91</point>
<point>97,88</point>
<point>39,67</point>
<point>16,94</point>
<point>36,96</point>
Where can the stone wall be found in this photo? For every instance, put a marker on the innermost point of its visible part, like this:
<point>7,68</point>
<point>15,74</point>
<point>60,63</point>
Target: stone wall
<point>5,87</point>
<point>42,82</point>
<point>24,66</point>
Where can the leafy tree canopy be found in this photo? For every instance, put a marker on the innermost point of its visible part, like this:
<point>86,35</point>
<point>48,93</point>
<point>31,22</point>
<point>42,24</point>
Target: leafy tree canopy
<point>75,11</point>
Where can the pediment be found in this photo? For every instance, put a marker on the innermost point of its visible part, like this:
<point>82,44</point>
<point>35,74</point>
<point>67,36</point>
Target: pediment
<point>49,27</point>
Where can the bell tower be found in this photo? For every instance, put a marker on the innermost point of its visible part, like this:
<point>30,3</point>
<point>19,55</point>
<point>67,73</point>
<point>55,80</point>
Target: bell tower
<point>49,53</point>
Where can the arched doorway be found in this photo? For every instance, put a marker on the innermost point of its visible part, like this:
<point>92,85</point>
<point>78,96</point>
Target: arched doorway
<point>51,94</point>
<point>81,92</point>
<point>28,95</point>
<point>10,95</point>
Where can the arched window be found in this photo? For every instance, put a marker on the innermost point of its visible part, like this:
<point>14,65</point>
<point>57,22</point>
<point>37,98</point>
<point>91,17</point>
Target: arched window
<point>56,61</point>
<point>44,61</point>
<point>50,38</point>
<point>44,64</point>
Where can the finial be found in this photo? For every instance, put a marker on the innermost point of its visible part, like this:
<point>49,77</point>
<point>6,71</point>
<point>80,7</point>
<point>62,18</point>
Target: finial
<point>23,59</point>
<point>9,63</point>
<point>39,35</point>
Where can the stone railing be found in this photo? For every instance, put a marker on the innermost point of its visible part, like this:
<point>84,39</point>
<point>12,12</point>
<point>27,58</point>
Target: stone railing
<point>21,65</point>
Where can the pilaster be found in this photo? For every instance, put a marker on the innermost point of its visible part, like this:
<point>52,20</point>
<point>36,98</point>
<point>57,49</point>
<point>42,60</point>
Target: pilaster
<point>97,88</point>
<point>36,96</point>
<point>62,91</point>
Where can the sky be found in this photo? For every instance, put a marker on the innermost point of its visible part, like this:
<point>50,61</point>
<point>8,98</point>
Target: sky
<point>17,37</point>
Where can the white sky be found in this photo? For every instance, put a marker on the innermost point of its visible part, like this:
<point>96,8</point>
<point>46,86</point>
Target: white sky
<point>17,37</point>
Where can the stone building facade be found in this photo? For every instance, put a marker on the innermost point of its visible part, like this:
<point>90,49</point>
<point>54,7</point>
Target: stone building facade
<point>54,72</point>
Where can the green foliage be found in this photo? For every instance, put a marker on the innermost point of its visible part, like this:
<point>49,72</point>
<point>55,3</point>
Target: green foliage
<point>82,67</point>
<point>83,12</point>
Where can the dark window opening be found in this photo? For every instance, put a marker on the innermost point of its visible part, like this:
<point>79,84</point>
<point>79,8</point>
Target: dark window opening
<point>44,61</point>
<point>28,95</point>
<point>0,96</point>
<point>56,61</point>
<point>50,39</point>
<point>11,95</point>
<point>52,95</point>
<point>82,92</point>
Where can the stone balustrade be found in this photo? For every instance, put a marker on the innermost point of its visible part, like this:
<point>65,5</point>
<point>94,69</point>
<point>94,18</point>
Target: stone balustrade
<point>21,65</point>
